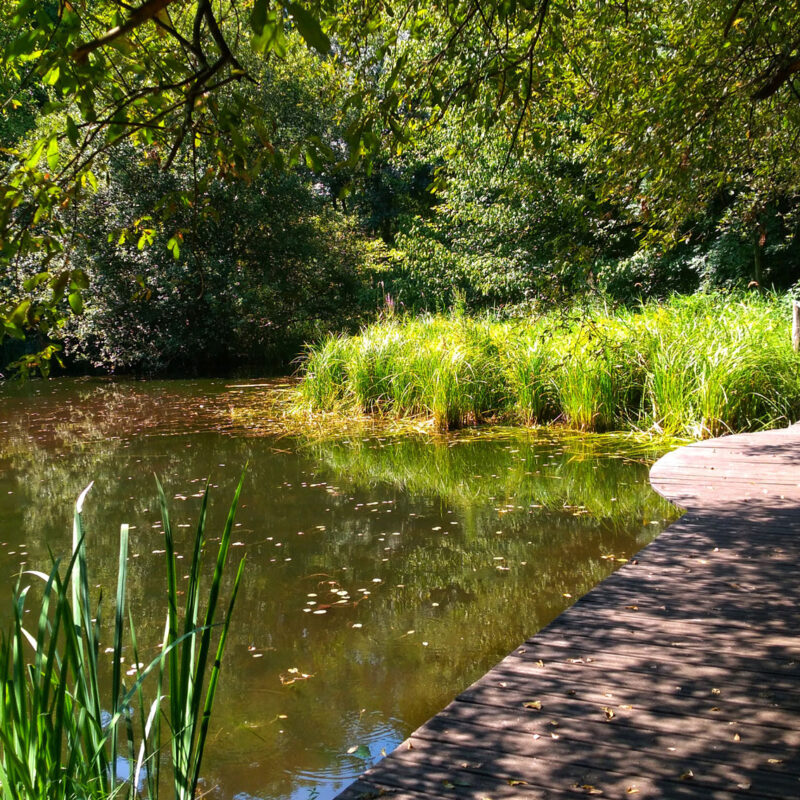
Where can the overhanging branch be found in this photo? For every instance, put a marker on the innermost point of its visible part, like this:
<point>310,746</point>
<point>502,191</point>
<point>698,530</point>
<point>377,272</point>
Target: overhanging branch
<point>143,14</point>
<point>777,80</point>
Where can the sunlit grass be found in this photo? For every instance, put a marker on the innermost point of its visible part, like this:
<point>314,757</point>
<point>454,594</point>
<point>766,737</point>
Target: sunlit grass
<point>693,366</point>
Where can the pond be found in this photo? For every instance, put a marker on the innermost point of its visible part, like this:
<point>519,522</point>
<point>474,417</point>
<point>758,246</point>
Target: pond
<point>384,573</point>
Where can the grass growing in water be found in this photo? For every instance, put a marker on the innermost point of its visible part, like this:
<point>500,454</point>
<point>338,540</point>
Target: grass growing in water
<point>696,365</point>
<point>61,737</point>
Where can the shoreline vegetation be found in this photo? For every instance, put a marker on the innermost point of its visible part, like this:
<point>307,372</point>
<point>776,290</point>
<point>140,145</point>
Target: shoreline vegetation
<point>693,366</point>
<point>65,732</point>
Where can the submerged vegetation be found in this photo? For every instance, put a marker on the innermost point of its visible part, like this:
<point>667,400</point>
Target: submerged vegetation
<point>66,731</point>
<point>699,365</point>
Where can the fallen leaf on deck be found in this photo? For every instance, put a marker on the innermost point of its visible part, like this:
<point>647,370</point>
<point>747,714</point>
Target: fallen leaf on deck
<point>589,789</point>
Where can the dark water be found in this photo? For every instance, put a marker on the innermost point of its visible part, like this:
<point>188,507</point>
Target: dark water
<point>383,574</point>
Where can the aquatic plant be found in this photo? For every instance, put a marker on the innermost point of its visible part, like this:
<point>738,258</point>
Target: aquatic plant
<point>699,365</point>
<point>63,736</point>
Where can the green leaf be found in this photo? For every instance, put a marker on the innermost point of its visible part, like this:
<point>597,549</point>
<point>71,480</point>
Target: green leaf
<point>36,154</point>
<point>52,153</point>
<point>258,17</point>
<point>76,302</point>
<point>23,44</point>
<point>313,161</point>
<point>58,284</point>
<point>309,28</point>
<point>79,279</point>
<point>37,280</point>
<point>271,39</point>
<point>323,148</point>
<point>362,751</point>
<point>19,314</point>
<point>52,75</point>
<point>72,131</point>
<point>23,10</point>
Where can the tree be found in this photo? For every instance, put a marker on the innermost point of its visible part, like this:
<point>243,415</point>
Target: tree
<point>678,102</point>
<point>102,74</point>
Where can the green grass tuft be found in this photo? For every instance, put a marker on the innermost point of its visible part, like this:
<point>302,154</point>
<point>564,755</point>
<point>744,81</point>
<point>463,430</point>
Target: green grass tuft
<point>698,365</point>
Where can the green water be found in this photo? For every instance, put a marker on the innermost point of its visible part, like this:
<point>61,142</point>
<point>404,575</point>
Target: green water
<point>391,571</point>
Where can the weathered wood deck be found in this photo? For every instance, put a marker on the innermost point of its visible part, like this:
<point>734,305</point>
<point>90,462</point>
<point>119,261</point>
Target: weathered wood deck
<point>678,676</point>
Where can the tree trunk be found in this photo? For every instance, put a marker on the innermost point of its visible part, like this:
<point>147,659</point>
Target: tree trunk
<point>758,256</point>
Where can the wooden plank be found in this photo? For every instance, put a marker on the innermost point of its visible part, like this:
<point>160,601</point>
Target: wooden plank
<point>510,690</point>
<point>678,676</point>
<point>674,722</point>
<point>473,772</point>
<point>729,669</point>
<point>524,723</point>
<point>604,755</point>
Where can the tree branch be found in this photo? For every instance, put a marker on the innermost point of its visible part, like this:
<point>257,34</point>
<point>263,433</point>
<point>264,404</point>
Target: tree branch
<point>777,80</point>
<point>145,12</point>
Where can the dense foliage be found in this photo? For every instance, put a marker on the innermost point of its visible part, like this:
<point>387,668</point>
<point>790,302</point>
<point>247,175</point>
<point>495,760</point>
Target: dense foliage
<point>272,267</point>
<point>283,156</point>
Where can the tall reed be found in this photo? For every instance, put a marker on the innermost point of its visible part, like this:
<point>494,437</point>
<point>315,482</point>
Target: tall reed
<point>63,736</point>
<point>698,365</point>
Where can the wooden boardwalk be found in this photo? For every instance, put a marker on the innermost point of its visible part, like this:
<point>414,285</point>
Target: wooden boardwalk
<point>678,676</point>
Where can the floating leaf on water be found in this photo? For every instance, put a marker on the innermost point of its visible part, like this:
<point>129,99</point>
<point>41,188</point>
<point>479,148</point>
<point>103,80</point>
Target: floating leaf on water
<point>359,751</point>
<point>535,704</point>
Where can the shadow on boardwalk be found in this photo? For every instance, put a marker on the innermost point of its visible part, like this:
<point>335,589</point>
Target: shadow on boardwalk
<point>678,676</point>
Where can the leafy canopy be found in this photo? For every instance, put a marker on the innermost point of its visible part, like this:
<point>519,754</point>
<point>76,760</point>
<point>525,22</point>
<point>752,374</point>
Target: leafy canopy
<point>675,102</point>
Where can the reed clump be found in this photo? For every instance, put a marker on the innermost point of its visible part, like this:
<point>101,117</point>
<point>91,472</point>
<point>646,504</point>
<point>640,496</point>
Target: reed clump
<point>697,365</point>
<point>65,732</point>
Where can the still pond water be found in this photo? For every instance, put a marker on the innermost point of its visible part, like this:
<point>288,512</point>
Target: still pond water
<point>384,574</point>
